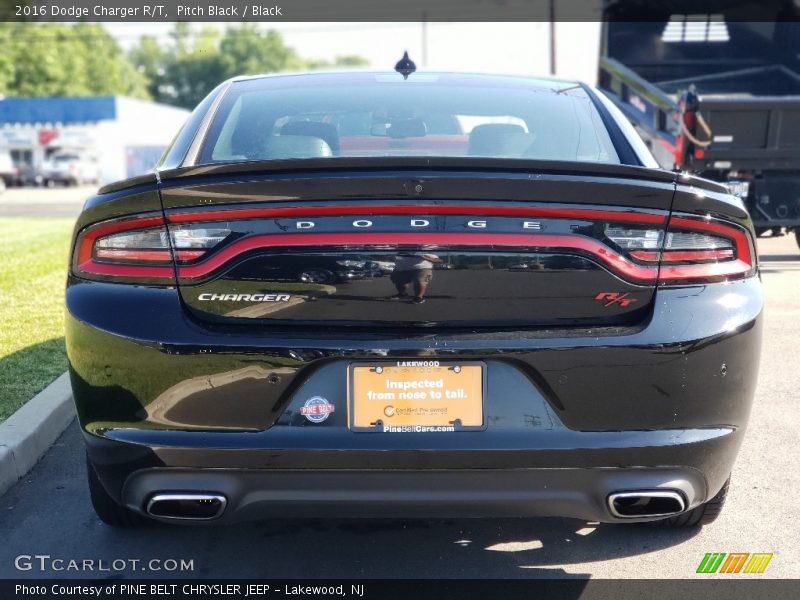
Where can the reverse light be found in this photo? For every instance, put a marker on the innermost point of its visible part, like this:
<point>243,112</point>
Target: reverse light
<point>147,245</point>
<point>635,239</point>
<point>693,250</point>
<point>682,246</point>
<point>187,236</point>
<point>154,245</point>
<point>142,247</point>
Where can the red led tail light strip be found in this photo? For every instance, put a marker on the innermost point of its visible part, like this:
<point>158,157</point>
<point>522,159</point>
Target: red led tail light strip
<point>86,261</point>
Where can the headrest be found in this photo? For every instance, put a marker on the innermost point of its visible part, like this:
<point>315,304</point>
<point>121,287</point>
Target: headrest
<point>498,139</point>
<point>326,131</point>
<point>295,146</point>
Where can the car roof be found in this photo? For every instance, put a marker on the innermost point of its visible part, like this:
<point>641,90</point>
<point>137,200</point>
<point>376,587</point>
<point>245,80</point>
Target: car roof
<point>430,77</point>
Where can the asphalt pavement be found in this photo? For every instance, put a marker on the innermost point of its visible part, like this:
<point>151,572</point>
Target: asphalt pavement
<point>48,513</point>
<point>62,201</point>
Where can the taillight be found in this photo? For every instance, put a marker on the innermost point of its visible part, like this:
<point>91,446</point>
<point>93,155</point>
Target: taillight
<point>634,238</point>
<point>638,246</point>
<point>144,245</point>
<point>196,236</point>
<point>706,250</point>
<point>693,250</point>
<point>142,248</point>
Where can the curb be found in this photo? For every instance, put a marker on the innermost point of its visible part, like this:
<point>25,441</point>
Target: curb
<point>27,434</point>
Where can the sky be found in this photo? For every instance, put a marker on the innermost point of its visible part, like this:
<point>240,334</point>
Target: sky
<point>513,48</point>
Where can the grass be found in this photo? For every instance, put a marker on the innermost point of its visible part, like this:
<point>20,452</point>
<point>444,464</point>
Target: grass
<point>33,273</point>
<point>32,276</point>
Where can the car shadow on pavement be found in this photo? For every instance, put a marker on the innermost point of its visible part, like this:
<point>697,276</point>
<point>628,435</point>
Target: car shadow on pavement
<point>512,547</point>
<point>532,543</point>
<point>390,548</point>
<point>302,548</point>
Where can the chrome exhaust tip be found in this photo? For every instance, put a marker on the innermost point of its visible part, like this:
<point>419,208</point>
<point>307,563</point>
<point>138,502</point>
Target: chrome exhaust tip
<point>186,506</point>
<point>643,504</point>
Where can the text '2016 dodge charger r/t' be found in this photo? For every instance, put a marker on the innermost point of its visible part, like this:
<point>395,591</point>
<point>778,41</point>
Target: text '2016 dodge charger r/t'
<point>425,294</point>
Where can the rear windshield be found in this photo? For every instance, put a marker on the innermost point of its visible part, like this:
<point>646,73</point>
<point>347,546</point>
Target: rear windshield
<point>321,116</point>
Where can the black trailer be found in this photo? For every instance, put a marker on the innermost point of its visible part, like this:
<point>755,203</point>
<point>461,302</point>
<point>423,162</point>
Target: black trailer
<point>716,97</point>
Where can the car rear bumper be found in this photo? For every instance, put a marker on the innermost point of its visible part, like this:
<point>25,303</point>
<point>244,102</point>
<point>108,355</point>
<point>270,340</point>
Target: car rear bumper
<point>572,478</point>
<point>466,493</point>
<point>168,404</point>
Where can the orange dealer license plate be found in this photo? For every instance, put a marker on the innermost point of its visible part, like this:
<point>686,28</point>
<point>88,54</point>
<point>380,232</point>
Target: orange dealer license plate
<point>416,396</point>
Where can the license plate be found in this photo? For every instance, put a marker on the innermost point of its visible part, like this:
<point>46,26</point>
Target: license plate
<point>416,396</point>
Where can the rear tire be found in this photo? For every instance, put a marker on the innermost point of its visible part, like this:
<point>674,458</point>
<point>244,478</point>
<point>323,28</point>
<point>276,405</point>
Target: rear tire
<point>702,515</point>
<point>106,507</point>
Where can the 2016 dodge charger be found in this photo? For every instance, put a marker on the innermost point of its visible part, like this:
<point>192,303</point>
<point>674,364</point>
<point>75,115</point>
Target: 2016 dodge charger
<point>557,326</point>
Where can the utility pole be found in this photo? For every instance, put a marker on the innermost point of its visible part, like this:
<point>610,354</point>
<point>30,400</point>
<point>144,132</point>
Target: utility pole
<point>552,37</point>
<point>424,39</point>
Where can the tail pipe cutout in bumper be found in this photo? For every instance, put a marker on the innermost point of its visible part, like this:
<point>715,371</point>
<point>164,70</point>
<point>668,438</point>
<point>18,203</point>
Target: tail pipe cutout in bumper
<point>186,506</point>
<point>644,504</point>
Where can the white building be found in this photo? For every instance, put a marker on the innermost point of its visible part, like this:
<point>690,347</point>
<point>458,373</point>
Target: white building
<point>125,135</point>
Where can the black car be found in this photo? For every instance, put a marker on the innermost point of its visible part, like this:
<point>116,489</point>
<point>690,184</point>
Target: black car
<point>610,381</point>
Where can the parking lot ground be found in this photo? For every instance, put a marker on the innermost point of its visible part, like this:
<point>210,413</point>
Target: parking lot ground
<point>44,202</point>
<point>49,511</point>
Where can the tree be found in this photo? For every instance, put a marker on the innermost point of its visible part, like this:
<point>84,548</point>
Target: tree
<point>54,59</point>
<point>193,66</point>
<point>105,69</point>
<point>6,59</point>
<point>246,50</point>
<point>195,62</point>
<point>340,61</point>
<point>149,59</point>
<point>82,59</point>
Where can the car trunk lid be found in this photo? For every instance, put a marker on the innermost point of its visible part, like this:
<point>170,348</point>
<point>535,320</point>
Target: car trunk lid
<point>460,247</point>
